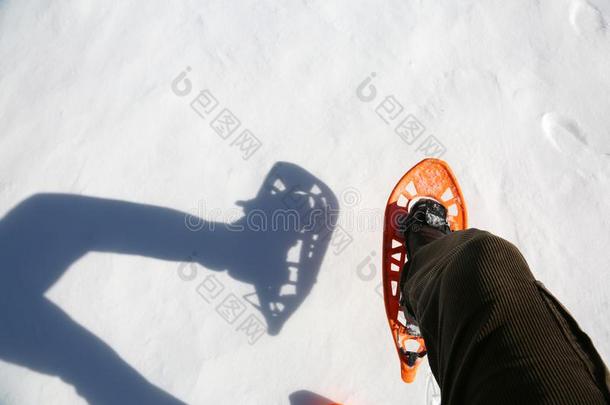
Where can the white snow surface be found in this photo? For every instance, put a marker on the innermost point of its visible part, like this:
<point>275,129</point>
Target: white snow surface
<point>515,91</point>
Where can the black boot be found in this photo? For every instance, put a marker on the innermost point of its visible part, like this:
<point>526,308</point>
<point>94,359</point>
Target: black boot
<point>425,223</point>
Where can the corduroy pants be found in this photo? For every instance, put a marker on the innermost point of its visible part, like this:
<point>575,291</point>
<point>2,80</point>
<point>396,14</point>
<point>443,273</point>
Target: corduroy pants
<point>494,334</point>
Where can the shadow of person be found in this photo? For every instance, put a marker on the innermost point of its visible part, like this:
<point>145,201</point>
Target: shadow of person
<point>44,234</point>
<point>304,397</point>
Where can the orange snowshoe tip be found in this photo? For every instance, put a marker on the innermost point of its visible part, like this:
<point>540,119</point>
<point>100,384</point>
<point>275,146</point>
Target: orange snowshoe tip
<point>430,178</point>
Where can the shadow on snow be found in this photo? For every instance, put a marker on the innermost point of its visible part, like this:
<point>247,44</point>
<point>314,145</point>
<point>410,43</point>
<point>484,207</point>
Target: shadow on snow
<point>44,234</point>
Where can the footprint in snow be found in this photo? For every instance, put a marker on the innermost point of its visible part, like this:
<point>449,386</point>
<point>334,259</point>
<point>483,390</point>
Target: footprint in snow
<point>566,136</point>
<point>587,19</point>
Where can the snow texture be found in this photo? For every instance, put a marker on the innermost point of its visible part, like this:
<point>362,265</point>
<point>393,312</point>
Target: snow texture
<point>123,123</point>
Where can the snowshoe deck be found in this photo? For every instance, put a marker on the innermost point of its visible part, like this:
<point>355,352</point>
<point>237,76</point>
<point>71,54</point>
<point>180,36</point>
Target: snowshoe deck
<point>430,178</point>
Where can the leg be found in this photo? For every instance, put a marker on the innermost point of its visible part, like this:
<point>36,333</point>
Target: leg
<point>40,336</point>
<point>494,335</point>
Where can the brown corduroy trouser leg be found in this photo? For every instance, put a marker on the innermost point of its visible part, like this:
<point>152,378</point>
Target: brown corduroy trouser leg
<point>494,335</point>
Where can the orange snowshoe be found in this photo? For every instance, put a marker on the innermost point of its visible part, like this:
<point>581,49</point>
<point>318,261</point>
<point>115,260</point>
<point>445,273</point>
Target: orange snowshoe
<point>432,179</point>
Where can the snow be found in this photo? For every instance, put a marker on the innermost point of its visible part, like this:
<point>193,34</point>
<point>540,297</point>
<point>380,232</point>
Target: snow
<point>515,92</point>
